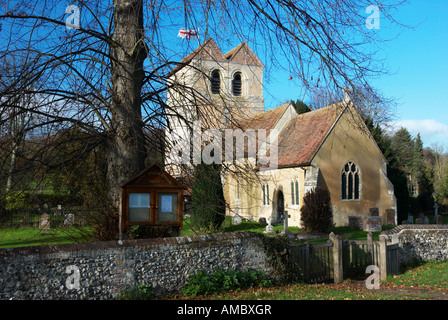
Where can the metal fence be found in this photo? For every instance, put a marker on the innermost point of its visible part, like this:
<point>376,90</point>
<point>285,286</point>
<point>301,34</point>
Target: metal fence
<point>15,219</point>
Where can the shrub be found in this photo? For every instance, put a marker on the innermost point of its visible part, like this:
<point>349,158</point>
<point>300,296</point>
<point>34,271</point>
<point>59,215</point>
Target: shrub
<point>145,232</point>
<point>18,200</point>
<point>140,292</point>
<point>220,281</point>
<point>207,199</point>
<point>316,213</point>
<point>25,200</point>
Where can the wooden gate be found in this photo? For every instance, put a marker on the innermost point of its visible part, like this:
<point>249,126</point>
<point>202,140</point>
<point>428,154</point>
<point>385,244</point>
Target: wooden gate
<point>358,255</point>
<point>393,260</point>
<point>315,261</point>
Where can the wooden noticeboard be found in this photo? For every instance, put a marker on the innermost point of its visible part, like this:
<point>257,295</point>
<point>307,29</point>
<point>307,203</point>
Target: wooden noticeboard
<point>153,197</point>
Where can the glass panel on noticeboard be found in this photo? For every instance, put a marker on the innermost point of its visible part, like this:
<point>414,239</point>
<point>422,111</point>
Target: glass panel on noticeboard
<point>167,210</point>
<point>139,207</point>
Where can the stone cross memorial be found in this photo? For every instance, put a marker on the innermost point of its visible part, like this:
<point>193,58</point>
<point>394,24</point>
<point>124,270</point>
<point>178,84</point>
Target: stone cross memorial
<point>269,228</point>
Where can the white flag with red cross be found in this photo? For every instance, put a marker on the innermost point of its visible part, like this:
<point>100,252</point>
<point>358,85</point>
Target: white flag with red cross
<point>188,34</point>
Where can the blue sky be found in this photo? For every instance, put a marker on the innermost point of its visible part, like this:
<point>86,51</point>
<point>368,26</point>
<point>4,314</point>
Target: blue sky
<point>420,58</point>
<point>418,64</point>
<point>417,59</point>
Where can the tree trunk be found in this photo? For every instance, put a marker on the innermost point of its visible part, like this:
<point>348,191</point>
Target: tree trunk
<point>126,150</point>
<point>12,166</point>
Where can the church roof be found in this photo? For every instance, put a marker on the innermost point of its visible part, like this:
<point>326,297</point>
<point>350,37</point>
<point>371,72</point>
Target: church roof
<point>243,54</point>
<point>209,50</point>
<point>302,137</point>
<point>264,120</point>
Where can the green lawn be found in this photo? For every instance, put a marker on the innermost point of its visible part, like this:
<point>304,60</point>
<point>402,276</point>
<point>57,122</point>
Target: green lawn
<point>253,226</point>
<point>35,237</point>
<point>428,275</point>
<point>227,226</point>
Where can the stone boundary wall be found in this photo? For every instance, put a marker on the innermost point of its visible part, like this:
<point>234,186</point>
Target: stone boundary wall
<point>106,268</point>
<point>420,242</point>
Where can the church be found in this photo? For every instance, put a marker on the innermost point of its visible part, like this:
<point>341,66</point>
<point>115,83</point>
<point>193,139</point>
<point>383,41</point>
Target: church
<point>329,147</point>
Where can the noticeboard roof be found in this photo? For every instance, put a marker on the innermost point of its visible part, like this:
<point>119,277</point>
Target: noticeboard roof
<point>153,176</point>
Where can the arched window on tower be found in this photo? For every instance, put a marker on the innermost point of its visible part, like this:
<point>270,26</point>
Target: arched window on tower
<point>216,82</point>
<point>350,181</point>
<point>236,84</point>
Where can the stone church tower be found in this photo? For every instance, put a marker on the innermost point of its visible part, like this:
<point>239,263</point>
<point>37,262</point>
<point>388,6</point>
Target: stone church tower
<point>217,89</point>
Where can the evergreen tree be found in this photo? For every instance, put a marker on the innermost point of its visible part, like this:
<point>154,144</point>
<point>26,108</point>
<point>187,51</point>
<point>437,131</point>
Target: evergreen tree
<point>417,156</point>
<point>443,190</point>
<point>403,147</point>
<point>300,106</point>
<point>207,198</point>
<point>422,175</point>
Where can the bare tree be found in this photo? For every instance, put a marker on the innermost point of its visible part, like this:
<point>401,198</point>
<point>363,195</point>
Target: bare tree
<point>108,75</point>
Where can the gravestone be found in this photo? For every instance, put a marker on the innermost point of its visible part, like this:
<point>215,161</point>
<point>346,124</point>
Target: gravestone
<point>419,221</point>
<point>390,216</point>
<point>44,222</point>
<point>411,219</point>
<point>59,211</point>
<point>69,220</point>
<point>373,212</point>
<point>405,222</point>
<point>262,221</point>
<point>439,220</point>
<point>425,220</point>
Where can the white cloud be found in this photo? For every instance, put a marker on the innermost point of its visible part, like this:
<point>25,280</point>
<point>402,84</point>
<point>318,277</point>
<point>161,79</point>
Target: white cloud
<point>431,131</point>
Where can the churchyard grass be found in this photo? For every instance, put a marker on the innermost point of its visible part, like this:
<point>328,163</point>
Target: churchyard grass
<point>34,236</point>
<point>227,226</point>
<point>430,274</point>
<point>23,237</point>
<point>254,226</point>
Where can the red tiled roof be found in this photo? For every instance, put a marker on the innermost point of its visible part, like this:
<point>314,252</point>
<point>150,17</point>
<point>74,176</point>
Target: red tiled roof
<point>265,120</point>
<point>301,138</point>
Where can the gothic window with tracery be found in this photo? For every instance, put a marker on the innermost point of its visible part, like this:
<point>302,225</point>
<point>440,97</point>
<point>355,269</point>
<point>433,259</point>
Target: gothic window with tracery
<point>350,181</point>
